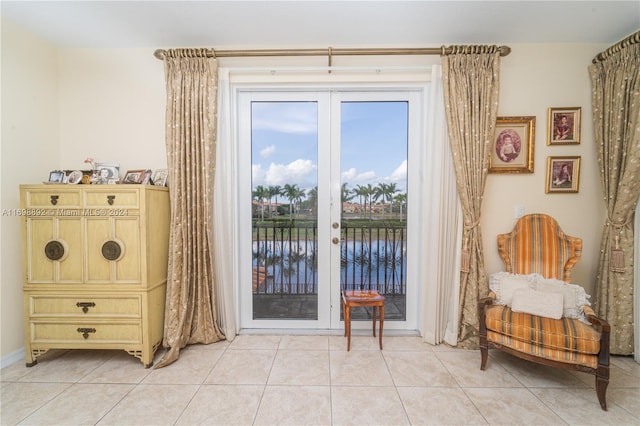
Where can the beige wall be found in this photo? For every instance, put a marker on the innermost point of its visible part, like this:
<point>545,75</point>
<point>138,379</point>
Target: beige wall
<point>30,148</point>
<point>60,106</point>
<point>112,104</point>
<point>534,78</point>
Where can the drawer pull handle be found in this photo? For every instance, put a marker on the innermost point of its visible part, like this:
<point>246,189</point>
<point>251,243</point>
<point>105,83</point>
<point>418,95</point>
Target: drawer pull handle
<point>54,199</point>
<point>111,199</point>
<point>85,331</point>
<point>85,306</point>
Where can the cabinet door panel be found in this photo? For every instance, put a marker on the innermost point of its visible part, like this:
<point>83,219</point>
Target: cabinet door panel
<point>127,230</point>
<point>70,268</point>
<point>40,230</point>
<point>98,231</point>
<point>68,233</point>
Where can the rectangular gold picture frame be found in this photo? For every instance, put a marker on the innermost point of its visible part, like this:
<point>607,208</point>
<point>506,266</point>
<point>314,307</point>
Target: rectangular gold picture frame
<point>134,176</point>
<point>563,126</point>
<point>563,175</point>
<point>513,145</point>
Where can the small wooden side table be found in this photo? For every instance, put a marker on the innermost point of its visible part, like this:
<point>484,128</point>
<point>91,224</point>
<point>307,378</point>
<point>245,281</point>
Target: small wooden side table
<point>353,298</point>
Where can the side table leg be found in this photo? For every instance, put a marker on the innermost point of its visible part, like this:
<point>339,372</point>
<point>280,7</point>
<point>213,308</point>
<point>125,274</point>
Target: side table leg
<point>347,325</point>
<point>344,316</point>
<point>373,314</point>
<point>381,323</point>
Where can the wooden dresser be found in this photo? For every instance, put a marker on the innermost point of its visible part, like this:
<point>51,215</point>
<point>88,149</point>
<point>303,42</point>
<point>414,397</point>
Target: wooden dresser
<point>95,267</point>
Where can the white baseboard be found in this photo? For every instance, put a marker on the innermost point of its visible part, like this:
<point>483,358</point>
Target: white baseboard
<point>12,358</point>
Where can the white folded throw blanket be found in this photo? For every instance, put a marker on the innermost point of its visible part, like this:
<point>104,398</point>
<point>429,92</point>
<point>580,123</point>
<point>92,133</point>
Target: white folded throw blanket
<point>534,302</point>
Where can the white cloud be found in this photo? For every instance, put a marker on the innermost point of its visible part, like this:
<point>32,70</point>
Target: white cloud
<point>299,172</point>
<point>257,174</point>
<point>268,151</point>
<point>349,175</point>
<point>400,173</point>
<point>352,177</point>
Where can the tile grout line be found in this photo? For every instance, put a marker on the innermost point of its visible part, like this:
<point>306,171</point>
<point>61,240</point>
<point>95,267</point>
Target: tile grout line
<point>266,382</point>
<point>395,386</point>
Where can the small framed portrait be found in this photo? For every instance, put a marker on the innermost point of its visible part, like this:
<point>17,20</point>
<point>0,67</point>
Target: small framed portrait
<point>134,176</point>
<point>74,177</point>
<point>563,174</point>
<point>57,176</point>
<point>563,126</point>
<point>159,177</point>
<point>146,177</point>
<point>513,143</point>
<point>106,173</point>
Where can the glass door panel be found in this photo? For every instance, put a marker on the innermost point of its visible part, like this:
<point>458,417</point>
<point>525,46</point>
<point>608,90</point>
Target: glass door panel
<point>284,159</point>
<point>373,184</point>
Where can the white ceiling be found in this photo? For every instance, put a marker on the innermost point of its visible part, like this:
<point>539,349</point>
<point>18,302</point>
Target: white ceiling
<point>291,24</point>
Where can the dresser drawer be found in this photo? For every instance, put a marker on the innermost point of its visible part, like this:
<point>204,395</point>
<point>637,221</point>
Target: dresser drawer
<point>122,198</point>
<point>87,305</point>
<point>52,198</point>
<point>85,332</point>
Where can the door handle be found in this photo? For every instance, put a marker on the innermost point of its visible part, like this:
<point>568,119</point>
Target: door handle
<point>337,240</point>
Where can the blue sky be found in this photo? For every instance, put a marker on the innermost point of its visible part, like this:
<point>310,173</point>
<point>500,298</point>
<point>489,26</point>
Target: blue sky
<point>373,143</point>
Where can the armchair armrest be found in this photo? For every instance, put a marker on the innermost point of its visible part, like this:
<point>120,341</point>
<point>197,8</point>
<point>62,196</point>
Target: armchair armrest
<point>603,356</point>
<point>487,300</point>
<point>601,323</point>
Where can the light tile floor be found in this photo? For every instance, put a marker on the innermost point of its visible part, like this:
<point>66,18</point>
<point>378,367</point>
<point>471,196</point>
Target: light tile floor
<point>311,380</point>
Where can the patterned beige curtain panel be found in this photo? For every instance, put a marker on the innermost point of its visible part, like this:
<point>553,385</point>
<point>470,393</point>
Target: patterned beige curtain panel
<point>190,312</point>
<point>471,85</point>
<point>615,79</point>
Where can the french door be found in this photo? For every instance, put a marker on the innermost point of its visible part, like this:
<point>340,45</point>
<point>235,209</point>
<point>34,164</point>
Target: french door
<point>324,196</point>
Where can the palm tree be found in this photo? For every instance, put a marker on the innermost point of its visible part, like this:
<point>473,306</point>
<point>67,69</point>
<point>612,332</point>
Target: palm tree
<point>277,191</point>
<point>273,191</point>
<point>379,193</point>
<point>388,192</point>
<point>361,191</point>
<point>346,195</point>
<point>368,192</point>
<point>401,200</point>
<point>291,192</point>
<point>261,193</point>
<point>299,195</point>
<point>312,196</point>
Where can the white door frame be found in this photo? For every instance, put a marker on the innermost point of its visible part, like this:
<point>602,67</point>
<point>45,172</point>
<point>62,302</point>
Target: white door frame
<point>330,318</point>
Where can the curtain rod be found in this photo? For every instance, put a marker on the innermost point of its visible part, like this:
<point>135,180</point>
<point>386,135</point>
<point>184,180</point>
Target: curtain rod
<point>632,39</point>
<point>161,53</point>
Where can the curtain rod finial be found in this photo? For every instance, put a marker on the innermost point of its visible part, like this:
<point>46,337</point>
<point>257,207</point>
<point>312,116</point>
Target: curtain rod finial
<point>160,54</point>
<point>505,50</point>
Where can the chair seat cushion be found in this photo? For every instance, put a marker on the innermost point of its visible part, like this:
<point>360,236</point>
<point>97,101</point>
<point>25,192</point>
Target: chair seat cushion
<point>540,336</point>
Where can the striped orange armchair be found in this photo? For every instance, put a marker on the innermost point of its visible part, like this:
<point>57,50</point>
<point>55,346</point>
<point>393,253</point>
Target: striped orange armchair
<point>537,245</point>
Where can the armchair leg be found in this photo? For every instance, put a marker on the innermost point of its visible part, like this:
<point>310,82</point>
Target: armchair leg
<point>484,353</point>
<point>601,390</point>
